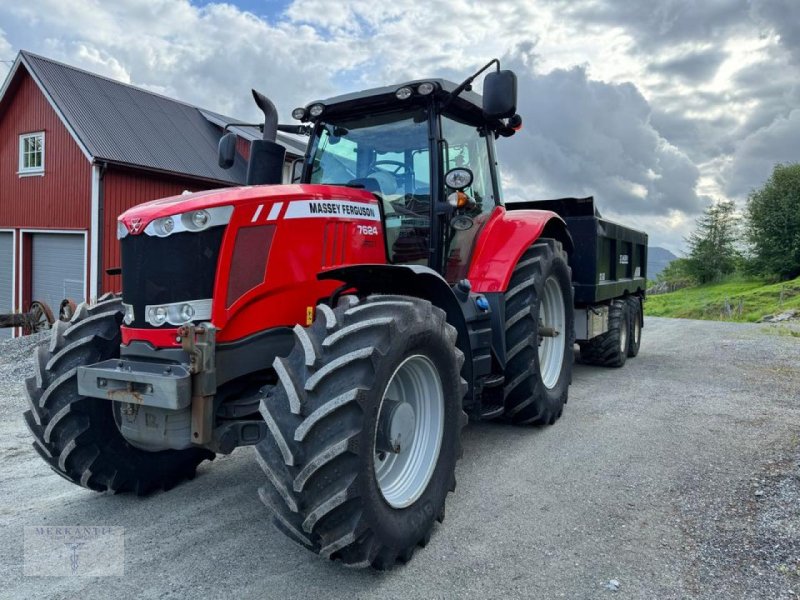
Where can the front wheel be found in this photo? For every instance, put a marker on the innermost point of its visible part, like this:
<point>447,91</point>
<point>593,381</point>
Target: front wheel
<point>365,424</point>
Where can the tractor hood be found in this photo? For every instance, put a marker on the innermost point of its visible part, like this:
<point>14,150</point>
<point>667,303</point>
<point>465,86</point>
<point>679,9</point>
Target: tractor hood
<point>135,220</point>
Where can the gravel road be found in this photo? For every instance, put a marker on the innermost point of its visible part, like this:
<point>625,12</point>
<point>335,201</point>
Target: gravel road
<point>677,476</point>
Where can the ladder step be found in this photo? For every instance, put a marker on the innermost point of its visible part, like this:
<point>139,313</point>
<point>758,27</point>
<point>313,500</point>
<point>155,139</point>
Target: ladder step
<point>492,411</point>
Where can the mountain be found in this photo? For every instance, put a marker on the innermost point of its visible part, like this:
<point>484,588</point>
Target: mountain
<point>657,260</point>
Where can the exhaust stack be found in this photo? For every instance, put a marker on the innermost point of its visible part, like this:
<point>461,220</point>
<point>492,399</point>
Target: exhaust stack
<point>266,155</point>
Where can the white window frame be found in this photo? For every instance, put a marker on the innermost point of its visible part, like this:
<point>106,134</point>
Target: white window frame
<point>26,171</point>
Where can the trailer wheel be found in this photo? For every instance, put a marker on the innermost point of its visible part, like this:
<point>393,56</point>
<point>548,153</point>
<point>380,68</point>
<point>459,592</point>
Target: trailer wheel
<point>611,348</point>
<point>77,436</point>
<point>635,316</point>
<point>539,335</point>
<point>365,426</point>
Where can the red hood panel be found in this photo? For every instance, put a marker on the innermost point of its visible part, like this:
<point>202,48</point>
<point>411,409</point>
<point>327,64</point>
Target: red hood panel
<point>138,217</point>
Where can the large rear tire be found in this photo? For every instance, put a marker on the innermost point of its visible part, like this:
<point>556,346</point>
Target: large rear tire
<point>611,348</point>
<point>332,484</point>
<point>76,435</point>
<point>539,366</point>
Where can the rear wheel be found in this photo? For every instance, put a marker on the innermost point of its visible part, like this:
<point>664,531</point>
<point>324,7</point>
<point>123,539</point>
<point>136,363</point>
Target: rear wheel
<point>77,436</point>
<point>635,310</point>
<point>611,348</point>
<point>539,335</point>
<point>365,425</point>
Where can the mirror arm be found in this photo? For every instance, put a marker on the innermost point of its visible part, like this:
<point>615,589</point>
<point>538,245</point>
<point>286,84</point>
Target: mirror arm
<point>465,84</point>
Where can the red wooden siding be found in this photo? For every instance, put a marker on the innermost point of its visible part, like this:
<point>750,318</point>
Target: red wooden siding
<point>61,198</point>
<point>122,189</point>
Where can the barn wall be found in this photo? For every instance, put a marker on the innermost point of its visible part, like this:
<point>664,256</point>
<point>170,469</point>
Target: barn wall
<point>123,189</point>
<point>61,198</point>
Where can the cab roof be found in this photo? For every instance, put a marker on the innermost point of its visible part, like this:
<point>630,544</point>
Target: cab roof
<point>468,102</point>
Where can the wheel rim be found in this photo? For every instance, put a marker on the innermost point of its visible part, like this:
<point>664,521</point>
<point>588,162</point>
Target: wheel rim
<point>412,406</point>
<point>551,349</point>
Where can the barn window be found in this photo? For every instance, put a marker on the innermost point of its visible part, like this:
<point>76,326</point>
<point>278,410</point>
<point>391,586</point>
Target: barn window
<point>31,153</point>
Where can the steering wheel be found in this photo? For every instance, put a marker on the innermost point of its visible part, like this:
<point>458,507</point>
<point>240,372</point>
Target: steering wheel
<point>397,164</point>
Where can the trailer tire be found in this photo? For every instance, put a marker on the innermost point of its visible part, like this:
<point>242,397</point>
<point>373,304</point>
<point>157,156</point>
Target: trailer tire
<point>636,319</point>
<point>324,476</point>
<point>530,396</point>
<point>77,435</point>
<point>611,348</point>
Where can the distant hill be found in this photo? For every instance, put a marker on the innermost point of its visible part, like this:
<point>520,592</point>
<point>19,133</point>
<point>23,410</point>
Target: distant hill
<point>657,260</point>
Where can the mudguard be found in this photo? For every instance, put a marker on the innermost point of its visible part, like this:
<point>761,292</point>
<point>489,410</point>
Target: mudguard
<point>504,239</point>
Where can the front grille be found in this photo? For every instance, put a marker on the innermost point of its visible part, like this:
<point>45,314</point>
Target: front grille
<point>176,268</point>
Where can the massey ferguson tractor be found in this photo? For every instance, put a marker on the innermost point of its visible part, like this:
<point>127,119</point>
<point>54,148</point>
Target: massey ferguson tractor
<point>345,325</point>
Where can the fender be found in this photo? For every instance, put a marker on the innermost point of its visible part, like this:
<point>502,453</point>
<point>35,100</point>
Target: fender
<point>421,282</point>
<point>504,239</point>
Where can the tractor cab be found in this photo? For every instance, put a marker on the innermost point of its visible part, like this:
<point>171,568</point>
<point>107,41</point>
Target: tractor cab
<point>426,150</point>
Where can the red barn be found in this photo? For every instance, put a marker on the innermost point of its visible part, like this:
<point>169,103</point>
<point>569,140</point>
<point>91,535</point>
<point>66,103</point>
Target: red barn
<point>76,150</point>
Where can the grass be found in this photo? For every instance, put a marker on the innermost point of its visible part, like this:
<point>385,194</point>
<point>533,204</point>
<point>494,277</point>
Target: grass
<point>747,299</point>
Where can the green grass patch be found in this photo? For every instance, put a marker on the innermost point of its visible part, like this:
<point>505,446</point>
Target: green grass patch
<point>747,300</point>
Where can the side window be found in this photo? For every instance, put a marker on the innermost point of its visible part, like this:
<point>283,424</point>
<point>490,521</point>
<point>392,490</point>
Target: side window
<point>467,147</point>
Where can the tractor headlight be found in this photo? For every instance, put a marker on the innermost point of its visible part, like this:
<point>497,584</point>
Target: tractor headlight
<point>315,110</point>
<point>122,230</point>
<point>128,317</point>
<point>199,219</point>
<point>404,93</point>
<point>299,114</point>
<point>458,178</point>
<point>425,88</point>
<point>178,313</point>
<point>157,315</point>
<point>195,220</point>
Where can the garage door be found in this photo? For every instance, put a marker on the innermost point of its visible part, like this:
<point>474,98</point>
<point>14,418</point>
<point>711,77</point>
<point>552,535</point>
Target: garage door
<point>58,266</point>
<point>6,275</point>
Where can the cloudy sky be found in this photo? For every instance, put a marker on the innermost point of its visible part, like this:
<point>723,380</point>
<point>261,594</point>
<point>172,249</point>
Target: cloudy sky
<point>656,108</point>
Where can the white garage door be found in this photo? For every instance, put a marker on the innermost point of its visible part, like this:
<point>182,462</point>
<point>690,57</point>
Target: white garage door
<point>58,268</point>
<point>6,277</point>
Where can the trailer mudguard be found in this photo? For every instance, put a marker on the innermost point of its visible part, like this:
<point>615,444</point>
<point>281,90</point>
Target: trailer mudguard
<point>504,239</point>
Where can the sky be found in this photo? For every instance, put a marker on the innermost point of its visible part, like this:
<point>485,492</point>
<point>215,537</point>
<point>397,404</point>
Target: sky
<point>656,108</point>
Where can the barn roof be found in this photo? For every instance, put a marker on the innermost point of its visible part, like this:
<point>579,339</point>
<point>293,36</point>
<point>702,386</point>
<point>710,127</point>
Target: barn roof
<point>123,124</point>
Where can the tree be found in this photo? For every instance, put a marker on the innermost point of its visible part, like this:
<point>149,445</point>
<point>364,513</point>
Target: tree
<point>773,224</point>
<point>712,245</point>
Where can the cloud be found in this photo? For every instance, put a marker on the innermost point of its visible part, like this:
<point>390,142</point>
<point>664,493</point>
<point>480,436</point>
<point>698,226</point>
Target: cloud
<point>755,157</point>
<point>586,137</point>
<point>693,66</point>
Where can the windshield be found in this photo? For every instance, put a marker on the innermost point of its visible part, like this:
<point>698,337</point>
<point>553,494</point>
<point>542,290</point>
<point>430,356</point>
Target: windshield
<point>387,154</point>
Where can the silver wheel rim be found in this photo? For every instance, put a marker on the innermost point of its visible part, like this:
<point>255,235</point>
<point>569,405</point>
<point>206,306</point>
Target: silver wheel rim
<point>551,349</point>
<point>403,476</point>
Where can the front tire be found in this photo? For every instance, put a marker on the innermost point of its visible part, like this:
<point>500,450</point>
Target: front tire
<point>327,484</point>
<point>538,366</point>
<point>76,435</point>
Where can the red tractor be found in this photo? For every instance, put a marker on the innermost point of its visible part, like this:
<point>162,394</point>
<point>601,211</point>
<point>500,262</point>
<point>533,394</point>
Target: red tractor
<point>345,325</point>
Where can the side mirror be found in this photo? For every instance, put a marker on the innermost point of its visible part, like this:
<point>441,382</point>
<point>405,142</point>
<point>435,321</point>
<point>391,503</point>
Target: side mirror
<point>226,151</point>
<point>297,170</point>
<point>500,95</point>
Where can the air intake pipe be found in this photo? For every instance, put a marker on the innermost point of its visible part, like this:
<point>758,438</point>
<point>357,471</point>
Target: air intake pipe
<point>266,155</point>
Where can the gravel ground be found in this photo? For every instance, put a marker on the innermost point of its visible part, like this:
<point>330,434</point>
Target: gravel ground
<point>677,476</point>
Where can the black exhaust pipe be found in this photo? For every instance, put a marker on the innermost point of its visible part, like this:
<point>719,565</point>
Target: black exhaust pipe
<point>266,155</point>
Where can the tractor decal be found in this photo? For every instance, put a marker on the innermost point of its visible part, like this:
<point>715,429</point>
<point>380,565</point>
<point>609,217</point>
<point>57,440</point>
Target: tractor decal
<point>304,209</point>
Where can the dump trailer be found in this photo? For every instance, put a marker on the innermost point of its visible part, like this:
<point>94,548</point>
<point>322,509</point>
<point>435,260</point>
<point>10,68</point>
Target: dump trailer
<point>344,325</point>
<point>609,279</point>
